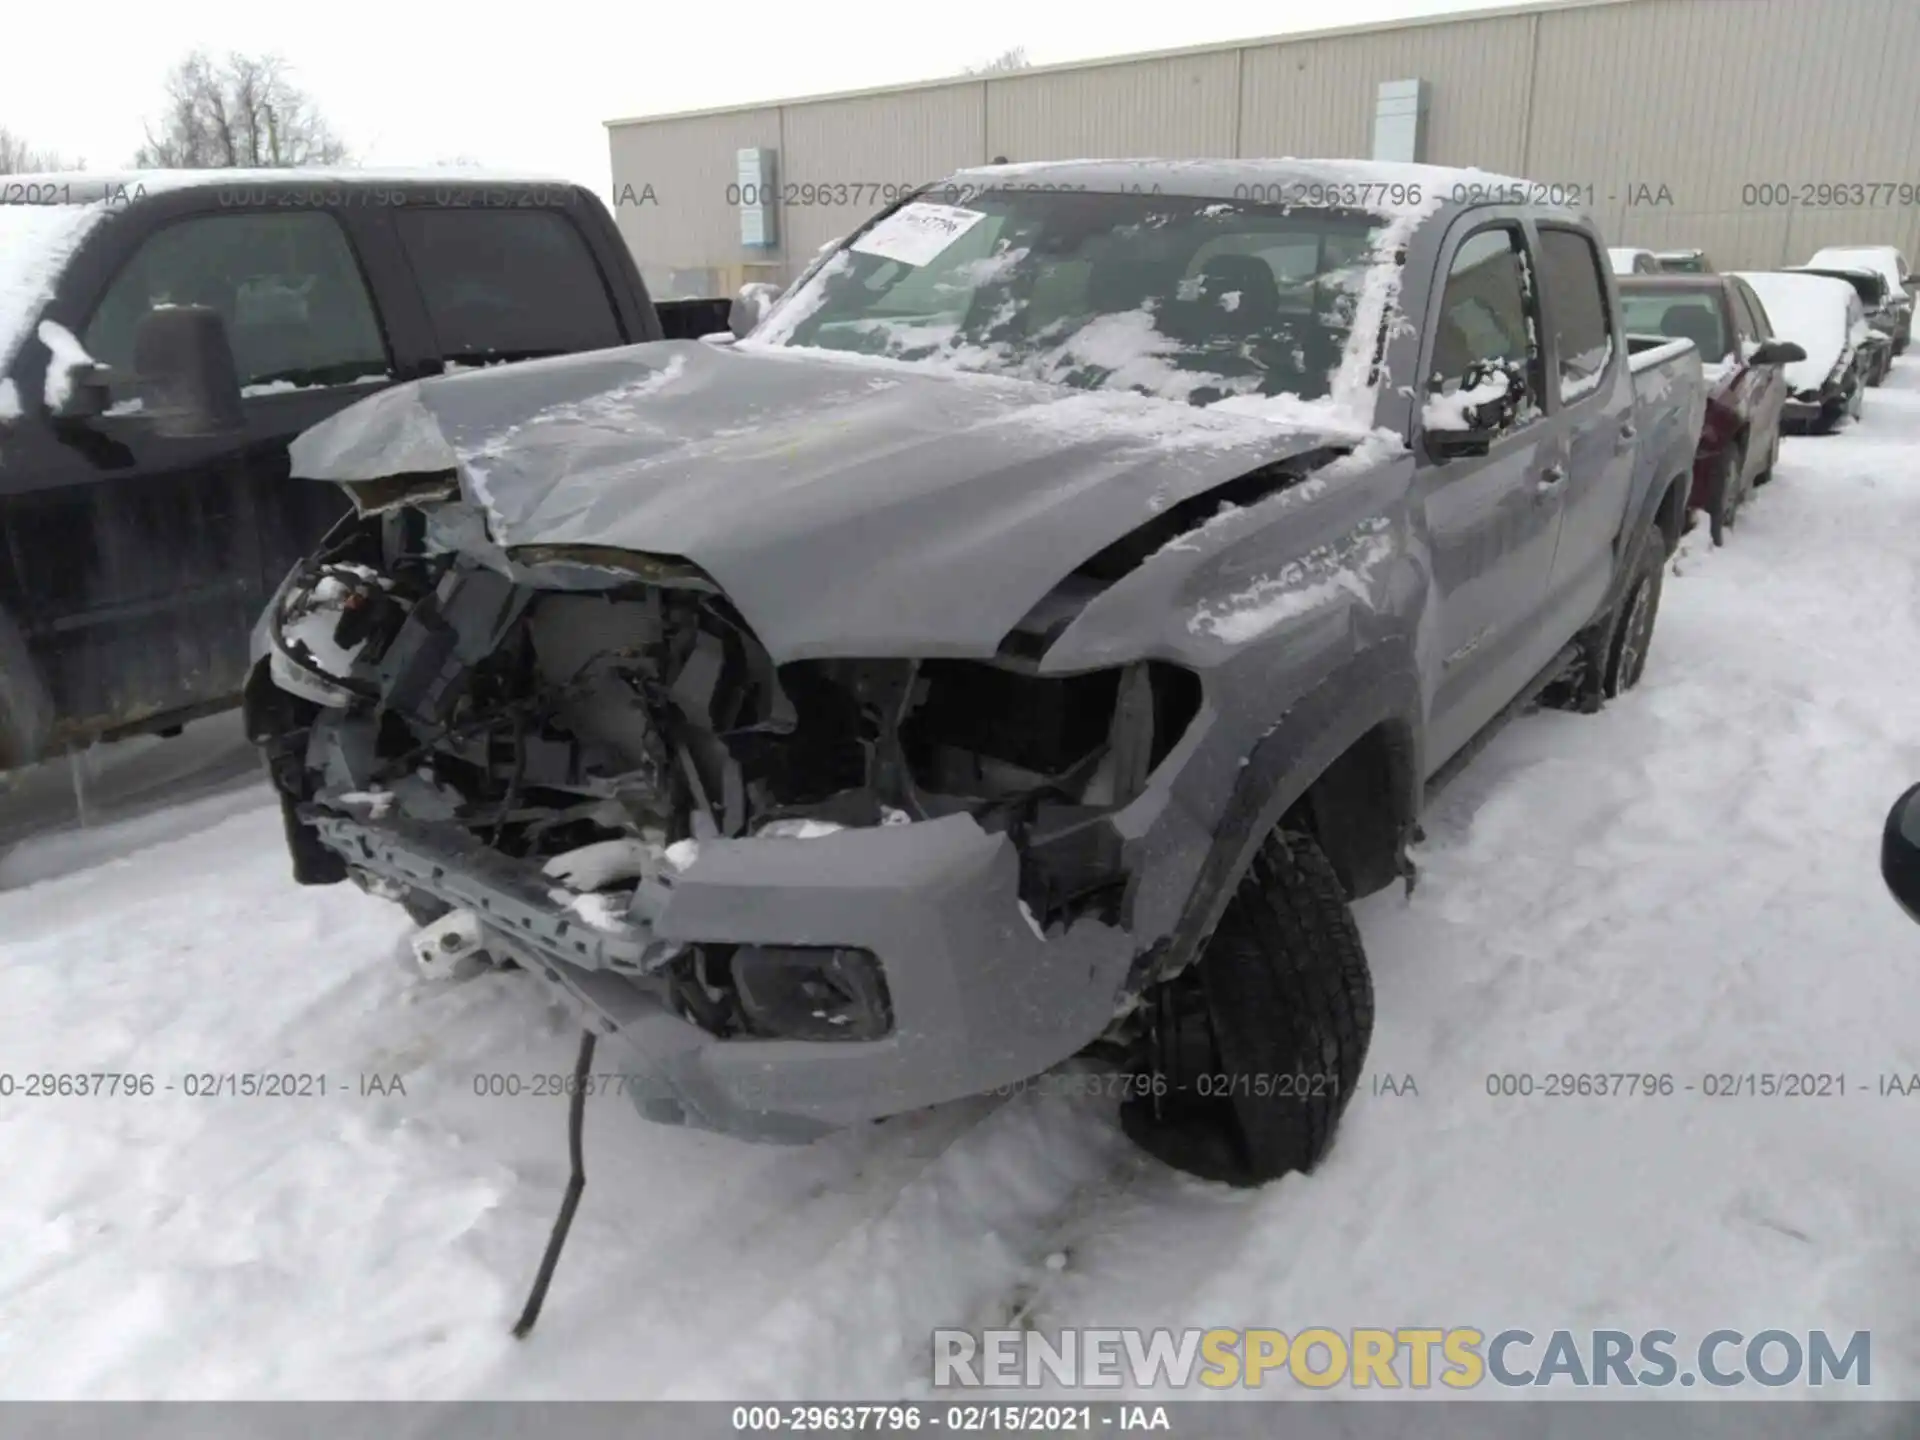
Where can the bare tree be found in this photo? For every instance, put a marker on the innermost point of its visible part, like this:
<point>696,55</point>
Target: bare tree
<point>17,157</point>
<point>242,111</point>
<point>1014,59</point>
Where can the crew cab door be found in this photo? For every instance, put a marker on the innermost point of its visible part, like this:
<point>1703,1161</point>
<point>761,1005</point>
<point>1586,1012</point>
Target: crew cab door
<point>1490,532</point>
<point>1590,421</point>
<point>146,558</point>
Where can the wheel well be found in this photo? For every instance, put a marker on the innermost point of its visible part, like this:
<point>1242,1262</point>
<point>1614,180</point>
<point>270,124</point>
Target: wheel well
<point>1359,808</point>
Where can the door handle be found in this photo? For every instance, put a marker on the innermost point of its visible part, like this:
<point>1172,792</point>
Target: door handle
<point>1550,477</point>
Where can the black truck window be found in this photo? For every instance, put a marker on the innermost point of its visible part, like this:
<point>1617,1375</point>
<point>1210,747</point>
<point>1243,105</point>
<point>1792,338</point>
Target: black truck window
<point>1487,311</point>
<point>1583,333</point>
<point>297,311</point>
<point>508,284</point>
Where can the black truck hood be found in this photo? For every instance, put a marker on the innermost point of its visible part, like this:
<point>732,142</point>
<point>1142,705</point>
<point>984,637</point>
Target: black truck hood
<point>846,506</point>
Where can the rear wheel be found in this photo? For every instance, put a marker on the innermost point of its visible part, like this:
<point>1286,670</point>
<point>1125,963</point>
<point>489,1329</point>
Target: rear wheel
<point>1257,1048</point>
<point>1634,616</point>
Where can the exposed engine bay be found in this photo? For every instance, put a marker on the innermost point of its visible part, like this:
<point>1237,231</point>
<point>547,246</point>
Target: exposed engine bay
<point>600,715</point>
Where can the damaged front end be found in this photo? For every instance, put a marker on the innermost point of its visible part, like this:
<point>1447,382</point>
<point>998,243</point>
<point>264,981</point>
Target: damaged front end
<point>803,894</point>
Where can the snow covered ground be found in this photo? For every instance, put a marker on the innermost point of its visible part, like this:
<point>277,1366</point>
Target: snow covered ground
<point>1686,883</point>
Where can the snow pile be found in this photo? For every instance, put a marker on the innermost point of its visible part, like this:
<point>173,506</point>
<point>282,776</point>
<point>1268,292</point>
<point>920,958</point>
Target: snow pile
<point>1816,312</point>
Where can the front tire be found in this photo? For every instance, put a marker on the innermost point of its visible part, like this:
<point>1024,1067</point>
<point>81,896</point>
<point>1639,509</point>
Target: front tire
<point>1257,1048</point>
<point>1631,631</point>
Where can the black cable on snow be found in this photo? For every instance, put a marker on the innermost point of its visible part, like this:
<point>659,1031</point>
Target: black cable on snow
<point>576,1124</point>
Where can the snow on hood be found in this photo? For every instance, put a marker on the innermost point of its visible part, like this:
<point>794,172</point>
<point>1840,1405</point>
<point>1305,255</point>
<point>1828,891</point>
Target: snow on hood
<point>35,244</point>
<point>846,506</point>
<point>1882,260</point>
<point>1816,312</point>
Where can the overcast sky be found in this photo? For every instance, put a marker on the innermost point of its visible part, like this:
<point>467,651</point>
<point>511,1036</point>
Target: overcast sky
<point>410,83</point>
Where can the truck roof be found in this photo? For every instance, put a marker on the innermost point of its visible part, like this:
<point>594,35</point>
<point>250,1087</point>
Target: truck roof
<point>1438,185</point>
<point>85,187</point>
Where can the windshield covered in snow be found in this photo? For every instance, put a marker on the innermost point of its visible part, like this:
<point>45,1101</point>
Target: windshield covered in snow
<point>1177,297</point>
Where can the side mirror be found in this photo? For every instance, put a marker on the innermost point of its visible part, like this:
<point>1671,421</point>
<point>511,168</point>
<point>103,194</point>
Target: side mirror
<point>1468,421</point>
<point>1776,352</point>
<point>750,307</point>
<point>87,394</point>
<point>1900,852</point>
<point>184,373</point>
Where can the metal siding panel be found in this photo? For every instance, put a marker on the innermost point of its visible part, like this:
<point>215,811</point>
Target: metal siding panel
<point>1315,98</point>
<point>879,144</point>
<point>1706,97</point>
<point>689,164</point>
<point>1180,108</point>
<point>1702,96</point>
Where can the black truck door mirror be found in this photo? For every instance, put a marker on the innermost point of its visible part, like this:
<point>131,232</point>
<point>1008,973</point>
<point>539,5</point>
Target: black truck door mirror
<point>1900,852</point>
<point>184,372</point>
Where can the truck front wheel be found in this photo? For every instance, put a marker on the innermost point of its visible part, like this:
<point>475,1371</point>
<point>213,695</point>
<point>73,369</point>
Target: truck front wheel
<point>1256,1049</point>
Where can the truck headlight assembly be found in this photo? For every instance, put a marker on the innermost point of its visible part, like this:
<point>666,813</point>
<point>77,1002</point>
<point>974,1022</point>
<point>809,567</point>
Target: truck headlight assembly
<point>812,992</point>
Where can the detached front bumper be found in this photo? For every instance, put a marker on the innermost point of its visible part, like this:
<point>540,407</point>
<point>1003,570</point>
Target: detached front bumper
<point>978,997</point>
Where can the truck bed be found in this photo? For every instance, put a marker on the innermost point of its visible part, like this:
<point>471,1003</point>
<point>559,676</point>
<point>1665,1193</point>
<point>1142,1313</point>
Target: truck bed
<point>1669,407</point>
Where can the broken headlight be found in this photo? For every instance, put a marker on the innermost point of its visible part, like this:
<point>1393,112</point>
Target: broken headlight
<point>812,992</point>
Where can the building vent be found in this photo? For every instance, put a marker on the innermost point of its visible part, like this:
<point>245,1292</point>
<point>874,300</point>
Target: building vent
<point>1400,121</point>
<point>754,180</point>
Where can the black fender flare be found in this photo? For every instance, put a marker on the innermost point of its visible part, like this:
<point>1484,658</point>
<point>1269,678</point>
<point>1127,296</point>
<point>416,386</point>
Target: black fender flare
<point>26,708</point>
<point>1378,688</point>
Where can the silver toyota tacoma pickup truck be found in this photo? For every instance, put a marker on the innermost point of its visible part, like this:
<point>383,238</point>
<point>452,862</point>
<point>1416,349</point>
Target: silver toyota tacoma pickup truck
<point>1023,640</point>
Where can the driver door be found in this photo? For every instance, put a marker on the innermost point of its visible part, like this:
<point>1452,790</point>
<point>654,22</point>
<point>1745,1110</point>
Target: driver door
<point>156,553</point>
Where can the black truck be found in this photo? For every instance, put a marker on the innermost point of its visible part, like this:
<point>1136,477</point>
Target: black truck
<point>136,550</point>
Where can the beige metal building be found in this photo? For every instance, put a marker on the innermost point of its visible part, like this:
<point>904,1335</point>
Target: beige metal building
<point>1757,130</point>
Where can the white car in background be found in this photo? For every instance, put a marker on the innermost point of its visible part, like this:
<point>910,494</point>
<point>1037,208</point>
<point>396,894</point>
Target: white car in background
<point>1887,262</point>
<point>1633,262</point>
<point>1825,318</point>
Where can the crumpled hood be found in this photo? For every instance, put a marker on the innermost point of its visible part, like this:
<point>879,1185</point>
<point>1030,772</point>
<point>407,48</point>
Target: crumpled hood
<point>847,506</point>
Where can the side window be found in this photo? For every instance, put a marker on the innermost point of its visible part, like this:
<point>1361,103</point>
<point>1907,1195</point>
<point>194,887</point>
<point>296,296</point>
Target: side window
<point>1582,330</point>
<point>1762,326</point>
<point>507,284</point>
<point>296,310</point>
<point>1744,327</point>
<point>1488,314</point>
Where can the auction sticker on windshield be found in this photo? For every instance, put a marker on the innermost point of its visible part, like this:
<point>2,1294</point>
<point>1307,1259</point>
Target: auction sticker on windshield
<point>915,233</point>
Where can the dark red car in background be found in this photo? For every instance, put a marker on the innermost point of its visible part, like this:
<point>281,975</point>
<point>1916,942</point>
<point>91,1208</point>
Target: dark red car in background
<point>1746,380</point>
